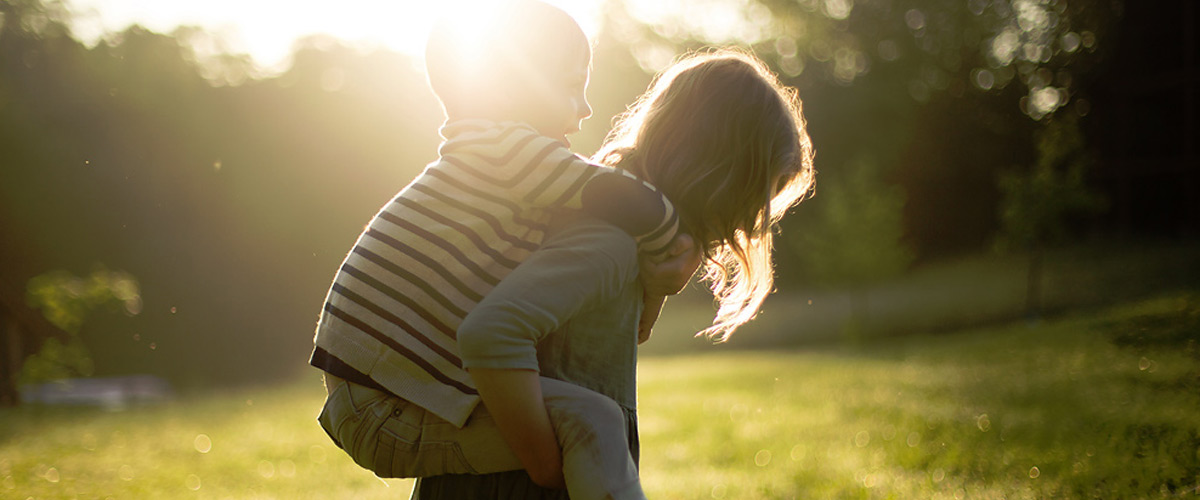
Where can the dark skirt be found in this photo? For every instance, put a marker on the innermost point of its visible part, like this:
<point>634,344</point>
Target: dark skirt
<point>510,485</point>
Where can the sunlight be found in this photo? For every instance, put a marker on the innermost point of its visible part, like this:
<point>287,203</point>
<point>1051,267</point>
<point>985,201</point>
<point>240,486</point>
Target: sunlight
<point>268,29</point>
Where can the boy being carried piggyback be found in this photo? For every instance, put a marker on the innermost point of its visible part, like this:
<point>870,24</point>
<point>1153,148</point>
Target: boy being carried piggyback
<point>402,397</point>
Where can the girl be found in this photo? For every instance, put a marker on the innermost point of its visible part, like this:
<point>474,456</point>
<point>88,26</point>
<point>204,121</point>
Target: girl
<point>726,143</point>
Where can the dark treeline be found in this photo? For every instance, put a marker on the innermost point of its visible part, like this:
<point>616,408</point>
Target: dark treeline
<point>232,200</point>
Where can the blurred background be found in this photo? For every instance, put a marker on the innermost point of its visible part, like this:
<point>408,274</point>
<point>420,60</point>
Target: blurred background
<point>180,180</point>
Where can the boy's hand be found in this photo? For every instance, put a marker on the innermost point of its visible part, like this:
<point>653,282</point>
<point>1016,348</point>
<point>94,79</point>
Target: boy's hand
<point>669,276</point>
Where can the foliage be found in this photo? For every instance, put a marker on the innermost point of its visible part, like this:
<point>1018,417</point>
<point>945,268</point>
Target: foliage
<point>1052,411</point>
<point>941,91</point>
<point>233,195</point>
<point>854,236</point>
<point>1037,204</point>
<point>940,45</point>
<point>66,301</point>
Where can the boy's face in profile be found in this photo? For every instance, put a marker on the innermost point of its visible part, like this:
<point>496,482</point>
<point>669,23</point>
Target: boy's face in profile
<point>565,106</point>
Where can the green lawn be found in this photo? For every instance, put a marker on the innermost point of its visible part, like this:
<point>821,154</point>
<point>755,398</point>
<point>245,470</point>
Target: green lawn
<point>1098,404</point>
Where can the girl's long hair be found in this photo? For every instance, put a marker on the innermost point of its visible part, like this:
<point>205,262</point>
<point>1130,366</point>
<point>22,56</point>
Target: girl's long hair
<point>726,142</point>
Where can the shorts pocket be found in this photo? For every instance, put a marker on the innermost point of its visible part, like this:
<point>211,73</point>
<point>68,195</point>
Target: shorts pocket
<point>410,444</point>
<point>352,416</point>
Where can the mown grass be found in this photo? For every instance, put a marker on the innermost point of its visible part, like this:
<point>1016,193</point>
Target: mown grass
<point>1101,404</point>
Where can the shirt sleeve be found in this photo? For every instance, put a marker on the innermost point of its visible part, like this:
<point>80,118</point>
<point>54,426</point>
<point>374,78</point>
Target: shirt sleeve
<point>585,264</point>
<point>515,162</point>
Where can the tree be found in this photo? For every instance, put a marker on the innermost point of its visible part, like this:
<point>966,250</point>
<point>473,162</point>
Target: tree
<point>66,301</point>
<point>921,85</point>
<point>1039,202</point>
<point>854,237</point>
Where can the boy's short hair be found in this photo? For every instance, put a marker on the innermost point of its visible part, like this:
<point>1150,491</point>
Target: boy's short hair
<point>503,51</point>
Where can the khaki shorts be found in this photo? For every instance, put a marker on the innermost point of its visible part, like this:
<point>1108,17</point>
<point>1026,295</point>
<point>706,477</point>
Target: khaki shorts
<point>393,437</point>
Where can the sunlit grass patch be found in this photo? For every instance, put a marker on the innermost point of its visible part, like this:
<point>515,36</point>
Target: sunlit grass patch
<point>1053,410</point>
<point>1097,405</point>
<point>248,444</point>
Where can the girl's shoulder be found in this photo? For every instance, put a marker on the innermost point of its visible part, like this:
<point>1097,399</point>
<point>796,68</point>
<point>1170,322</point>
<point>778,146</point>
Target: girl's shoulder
<point>592,236</point>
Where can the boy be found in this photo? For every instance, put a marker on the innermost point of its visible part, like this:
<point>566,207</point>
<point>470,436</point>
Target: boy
<point>512,90</point>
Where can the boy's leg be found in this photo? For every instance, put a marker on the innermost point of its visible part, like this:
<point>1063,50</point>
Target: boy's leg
<point>395,438</point>
<point>590,427</point>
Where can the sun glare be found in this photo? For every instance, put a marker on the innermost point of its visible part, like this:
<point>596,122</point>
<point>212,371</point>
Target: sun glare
<point>267,29</point>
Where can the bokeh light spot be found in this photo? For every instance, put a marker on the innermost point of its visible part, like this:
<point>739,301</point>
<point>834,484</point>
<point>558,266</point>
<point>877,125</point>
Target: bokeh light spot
<point>889,432</point>
<point>1034,472</point>
<point>983,423</point>
<point>762,458</point>
<point>838,9</point>
<point>202,443</point>
<point>287,468</point>
<point>915,19</point>
<point>1088,39</point>
<point>266,469</point>
<point>983,79</point>
<point>125,473</point>
<point>317,454</point>
<point>798,452</point>
<point>192,482</point>
<point>888,51</point>
<point>88,441</point>
<point>862,439</point>
<point>1004,47</point>
<point>738,412</point>
<point>1071,41</point>
<point>785,46</point>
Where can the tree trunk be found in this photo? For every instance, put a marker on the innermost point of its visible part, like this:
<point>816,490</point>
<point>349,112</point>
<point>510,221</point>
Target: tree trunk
<point>10,360</point>
<point>1033,285</point>
<point>855,329</point>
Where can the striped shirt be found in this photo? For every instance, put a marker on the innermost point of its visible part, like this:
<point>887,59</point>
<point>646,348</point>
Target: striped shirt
<point>435,250</point>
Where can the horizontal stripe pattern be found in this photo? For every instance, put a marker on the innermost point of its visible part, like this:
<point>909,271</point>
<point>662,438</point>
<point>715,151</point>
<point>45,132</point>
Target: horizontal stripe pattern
<point>433,252</point>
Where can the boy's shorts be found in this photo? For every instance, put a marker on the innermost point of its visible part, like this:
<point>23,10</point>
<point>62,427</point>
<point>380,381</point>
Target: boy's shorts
<point>393,437</point>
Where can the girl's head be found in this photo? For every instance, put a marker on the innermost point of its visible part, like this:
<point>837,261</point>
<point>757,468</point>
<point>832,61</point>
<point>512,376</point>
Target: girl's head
<point>726,142</point>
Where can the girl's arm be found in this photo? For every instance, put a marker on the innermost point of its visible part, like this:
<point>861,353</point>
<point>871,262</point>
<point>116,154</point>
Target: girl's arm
<point>584,264</point>
<point>662,278</point>
<point>514,400</point>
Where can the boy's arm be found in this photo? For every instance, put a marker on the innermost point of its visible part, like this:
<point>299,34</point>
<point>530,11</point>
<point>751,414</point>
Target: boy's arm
<point>516,163</point>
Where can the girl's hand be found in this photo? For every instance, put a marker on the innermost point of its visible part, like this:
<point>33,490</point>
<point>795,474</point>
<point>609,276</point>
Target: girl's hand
<point>669,276</point>
<point>651,307</point>
<point>665,277</point>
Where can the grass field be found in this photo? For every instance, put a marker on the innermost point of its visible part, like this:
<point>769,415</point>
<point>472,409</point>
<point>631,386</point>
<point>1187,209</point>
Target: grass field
<point>1096,404</point>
